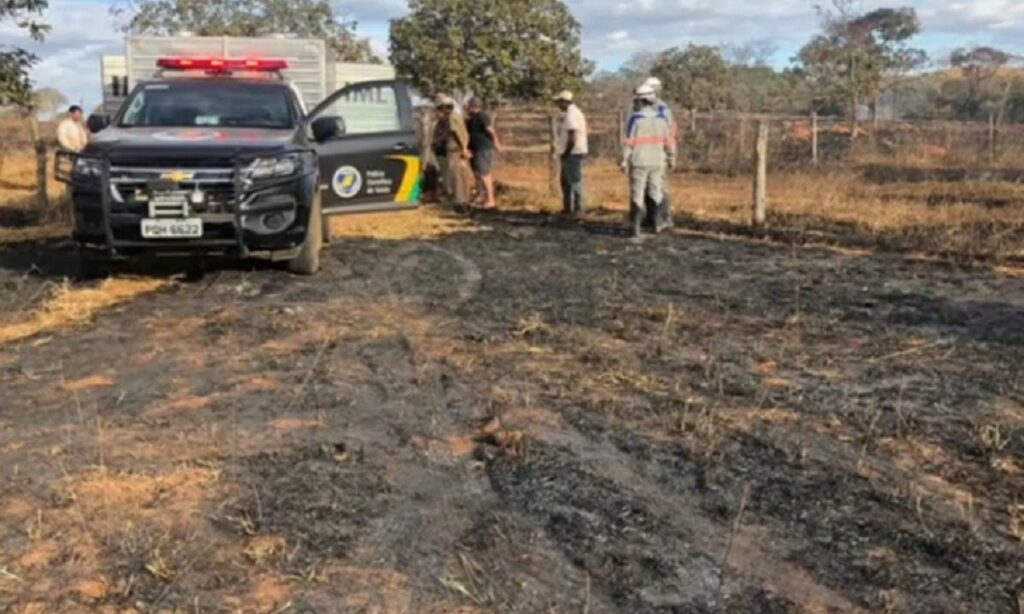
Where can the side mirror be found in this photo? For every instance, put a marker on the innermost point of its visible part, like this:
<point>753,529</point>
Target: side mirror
<point>327,128</point>
<point>97,122</point>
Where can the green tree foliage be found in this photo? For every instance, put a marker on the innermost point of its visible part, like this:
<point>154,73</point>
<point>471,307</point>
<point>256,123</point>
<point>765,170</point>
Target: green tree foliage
<point>980,67</point>
<point>762,89</point>
<point>851,60</point>
<point>610,89</point>
<point>15,86</point>
<point>614,89</point>
<point>499,49</point>
<point>756,87</point>
<point>1015,101</point>
<point>305,18</point>
<point>695,78</point>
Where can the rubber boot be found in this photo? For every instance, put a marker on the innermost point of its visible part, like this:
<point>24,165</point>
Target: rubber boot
<point>664,214</point>
<point>636,221</point>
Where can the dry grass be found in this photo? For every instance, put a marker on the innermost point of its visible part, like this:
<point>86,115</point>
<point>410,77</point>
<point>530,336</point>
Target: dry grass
<point>18,177</point>
<point>950,214</point>
<point>18,201</point>
<point>423,223</point>
<point>72,305</point>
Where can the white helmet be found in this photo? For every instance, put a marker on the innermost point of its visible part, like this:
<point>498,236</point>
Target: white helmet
<point>644,92</point>
<point>654,83</point>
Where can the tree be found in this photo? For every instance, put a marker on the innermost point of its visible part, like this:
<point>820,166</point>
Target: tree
<point>695,78</point>
<point>754,53</point>
<point>855,54</point>
<point>48,101</point>
<point>307,18</point>
<point>15,62</point>
<point>611,89</point>
<point>638,66</point>
<point>980,66</point>
<point>762,89</point>
<point>1015,101</point>
<point>500,49</point>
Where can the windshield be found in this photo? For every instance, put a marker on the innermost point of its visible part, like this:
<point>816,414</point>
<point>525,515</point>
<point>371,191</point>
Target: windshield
<point>210,103</point>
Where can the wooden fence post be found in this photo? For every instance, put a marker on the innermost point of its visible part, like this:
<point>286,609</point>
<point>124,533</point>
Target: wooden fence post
<point>620,128</point>
<point>553,165</point>
<point>42,193</point>
<point>693,119</point>
<point>760,175</point>
<point>992,136</point>
<point>743,136</point>
<point>814,138</point>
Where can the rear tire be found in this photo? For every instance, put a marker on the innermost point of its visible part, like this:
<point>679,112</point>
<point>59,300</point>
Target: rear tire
<point>308,260</point>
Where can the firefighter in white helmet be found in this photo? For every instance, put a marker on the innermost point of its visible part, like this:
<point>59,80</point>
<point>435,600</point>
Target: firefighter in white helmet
<point>648,151</point>
<point>660,214</point>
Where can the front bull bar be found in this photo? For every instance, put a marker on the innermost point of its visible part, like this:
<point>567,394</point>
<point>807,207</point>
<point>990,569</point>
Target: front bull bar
<point>64,170</point>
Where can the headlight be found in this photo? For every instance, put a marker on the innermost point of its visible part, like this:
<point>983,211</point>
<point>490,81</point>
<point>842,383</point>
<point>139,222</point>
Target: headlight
<point>88,167</point>
<point>265,168</point>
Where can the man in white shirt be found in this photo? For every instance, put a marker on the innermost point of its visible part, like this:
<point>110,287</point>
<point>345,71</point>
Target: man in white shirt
<point>71,132</point>
<point>572,148</point>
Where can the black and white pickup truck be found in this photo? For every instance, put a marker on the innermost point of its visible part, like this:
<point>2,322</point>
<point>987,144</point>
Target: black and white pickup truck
<point>219,156</point>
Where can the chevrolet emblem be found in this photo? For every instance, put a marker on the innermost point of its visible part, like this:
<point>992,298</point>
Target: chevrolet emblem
<point>178,176</point>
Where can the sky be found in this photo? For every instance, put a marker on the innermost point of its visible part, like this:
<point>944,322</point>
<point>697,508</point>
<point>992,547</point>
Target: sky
<point>613,30</point>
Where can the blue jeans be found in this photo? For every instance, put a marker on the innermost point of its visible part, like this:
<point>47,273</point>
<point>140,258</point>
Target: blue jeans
<point>572,183</point>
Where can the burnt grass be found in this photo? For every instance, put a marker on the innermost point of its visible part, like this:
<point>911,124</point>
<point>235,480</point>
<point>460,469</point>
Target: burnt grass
<point>700,424</point>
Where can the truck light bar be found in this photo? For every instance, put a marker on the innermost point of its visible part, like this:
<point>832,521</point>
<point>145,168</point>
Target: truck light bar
<point>222,64</point>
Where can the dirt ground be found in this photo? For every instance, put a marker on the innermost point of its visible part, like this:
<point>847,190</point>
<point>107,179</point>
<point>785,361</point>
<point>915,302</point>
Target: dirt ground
<point>505,412</point>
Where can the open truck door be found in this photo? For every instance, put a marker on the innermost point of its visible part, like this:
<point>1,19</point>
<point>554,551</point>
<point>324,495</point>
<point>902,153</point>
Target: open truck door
<point>368,148</point>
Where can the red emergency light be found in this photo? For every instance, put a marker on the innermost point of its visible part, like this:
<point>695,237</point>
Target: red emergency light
<point>223,64</point>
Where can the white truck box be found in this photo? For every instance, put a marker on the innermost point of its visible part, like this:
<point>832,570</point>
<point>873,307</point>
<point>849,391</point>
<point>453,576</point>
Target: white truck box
<point>309,68</point>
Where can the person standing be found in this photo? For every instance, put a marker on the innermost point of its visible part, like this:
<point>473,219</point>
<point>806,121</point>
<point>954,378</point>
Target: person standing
<point>451,147</point>
<point>648,150</point>
<point>660,214</point>
<point>483,143</point>
<point>426,117</point>
<point>572,147</point>
<point>71,132</point>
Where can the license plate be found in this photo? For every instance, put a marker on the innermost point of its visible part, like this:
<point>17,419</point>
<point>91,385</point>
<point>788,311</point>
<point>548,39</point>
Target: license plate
<point>172,228</point>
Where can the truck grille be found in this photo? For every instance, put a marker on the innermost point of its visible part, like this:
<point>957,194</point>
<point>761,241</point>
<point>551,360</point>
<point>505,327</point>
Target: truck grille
<point>132,187</point>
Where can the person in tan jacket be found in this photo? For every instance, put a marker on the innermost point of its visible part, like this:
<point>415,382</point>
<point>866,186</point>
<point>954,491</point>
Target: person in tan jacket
<point>450,143</point>
<point>71,132</point>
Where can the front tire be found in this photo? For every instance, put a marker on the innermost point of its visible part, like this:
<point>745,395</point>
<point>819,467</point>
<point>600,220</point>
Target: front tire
<point>89,265</point>
<point>308,260</point>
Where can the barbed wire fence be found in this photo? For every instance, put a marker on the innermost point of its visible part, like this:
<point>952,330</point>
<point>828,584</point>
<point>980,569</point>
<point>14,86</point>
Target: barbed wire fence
<point>723,142</point>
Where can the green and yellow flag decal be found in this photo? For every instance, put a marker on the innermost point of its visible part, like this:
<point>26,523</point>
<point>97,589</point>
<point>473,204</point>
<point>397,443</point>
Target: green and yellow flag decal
<point>410,188</point>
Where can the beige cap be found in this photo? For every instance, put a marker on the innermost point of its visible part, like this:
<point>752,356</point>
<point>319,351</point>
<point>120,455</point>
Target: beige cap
<point>444,100</point>
<point>564,96</point>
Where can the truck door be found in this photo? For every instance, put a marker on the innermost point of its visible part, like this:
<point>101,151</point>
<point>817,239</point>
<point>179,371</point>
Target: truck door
<point>368,148</point>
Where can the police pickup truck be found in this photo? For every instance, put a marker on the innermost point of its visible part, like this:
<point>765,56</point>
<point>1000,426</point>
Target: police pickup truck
<point>218,156</point>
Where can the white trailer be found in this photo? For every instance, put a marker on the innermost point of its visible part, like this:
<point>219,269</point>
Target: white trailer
<point>308,65</point>
<point>114,69</point>
<point>311,69</point>
<point>347,73</point>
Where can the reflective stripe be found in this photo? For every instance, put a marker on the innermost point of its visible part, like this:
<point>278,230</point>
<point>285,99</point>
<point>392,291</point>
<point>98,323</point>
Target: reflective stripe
<point>631,126</point>
<point>647,140</point>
